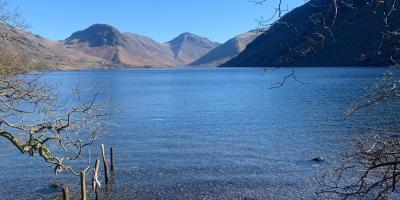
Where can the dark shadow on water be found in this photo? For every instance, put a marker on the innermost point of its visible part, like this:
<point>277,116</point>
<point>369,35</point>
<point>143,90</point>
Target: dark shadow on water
<point>49,190</point>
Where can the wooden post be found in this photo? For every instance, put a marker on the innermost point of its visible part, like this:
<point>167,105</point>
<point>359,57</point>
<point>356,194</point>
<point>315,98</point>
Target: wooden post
<point>112,158</point>
<point>95,180</point>
<point>65,193</point>
<point>83,185</point>
<point>106,176</point>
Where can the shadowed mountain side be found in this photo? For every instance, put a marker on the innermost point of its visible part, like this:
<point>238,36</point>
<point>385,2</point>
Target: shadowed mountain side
<point>227,51</point>
<point>355,41</point>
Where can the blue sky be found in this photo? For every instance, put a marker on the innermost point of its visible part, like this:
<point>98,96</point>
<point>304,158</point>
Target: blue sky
<point>162,20</point>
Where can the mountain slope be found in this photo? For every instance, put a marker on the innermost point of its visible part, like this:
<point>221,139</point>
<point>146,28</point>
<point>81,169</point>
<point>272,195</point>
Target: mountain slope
<point>129,49</point>
<point>227,51</point>
<point>106,42</point>
<point>355,40</point>
<point>43,54</point>
<point>189,47</point>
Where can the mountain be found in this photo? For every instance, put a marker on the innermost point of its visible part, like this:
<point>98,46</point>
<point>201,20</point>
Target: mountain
<point>106,42</point>
<point>43,54</point>
<point>189,47</point>
<point>129,49</point>
<point>356,38</point>
<point>228,50</point>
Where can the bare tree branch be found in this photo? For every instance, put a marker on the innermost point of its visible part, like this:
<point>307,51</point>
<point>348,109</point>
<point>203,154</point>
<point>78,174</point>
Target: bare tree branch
<point>33,115</point>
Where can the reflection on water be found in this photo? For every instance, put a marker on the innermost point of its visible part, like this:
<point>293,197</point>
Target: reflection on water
<point>215,133</point>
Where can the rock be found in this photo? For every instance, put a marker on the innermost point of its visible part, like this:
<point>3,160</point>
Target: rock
<point>55,186</point>
<point>318,159</point>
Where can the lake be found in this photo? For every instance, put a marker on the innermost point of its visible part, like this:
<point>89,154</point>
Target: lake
<point>214,133</point>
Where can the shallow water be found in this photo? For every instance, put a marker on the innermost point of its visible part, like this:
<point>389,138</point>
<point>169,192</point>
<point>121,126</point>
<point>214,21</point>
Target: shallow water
<point>214,133</point>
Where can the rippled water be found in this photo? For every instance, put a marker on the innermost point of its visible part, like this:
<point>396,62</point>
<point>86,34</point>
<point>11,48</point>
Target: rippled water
<point>214,133</point>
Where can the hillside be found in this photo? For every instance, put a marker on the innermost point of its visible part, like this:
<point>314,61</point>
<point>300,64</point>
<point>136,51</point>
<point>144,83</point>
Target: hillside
<point>42,54</point>
<point>302,40</point>
<point>227,51</point>
<point>129,49</point>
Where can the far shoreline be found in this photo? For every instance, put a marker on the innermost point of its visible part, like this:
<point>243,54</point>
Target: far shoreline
<point>129,68</point>
<point>110,68</point>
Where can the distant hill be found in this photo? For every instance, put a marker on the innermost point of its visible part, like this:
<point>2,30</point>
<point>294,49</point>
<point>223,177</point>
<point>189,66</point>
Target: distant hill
<point>129,49</point>
<point>189,47</point>
<point>227,51</point>
<point>42,54</point>
<point>355,41</point>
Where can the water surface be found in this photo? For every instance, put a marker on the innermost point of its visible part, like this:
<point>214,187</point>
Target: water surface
<point>214,133</point>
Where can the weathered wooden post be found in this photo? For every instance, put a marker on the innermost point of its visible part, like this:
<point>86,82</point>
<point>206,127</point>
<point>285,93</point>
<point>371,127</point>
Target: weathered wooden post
<point>65,193</point>
<point>106,176</point>
<point>83,185</point>
<point>112,158</point>
<point>95,180</point>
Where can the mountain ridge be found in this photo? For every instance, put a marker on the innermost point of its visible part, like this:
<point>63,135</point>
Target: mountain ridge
<point>130,49</point>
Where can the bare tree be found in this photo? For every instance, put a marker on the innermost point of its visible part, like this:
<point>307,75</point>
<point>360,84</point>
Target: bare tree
<point>372,168</point>
<point>34,116</point>
<point>371,171</point>
<point>320,24</point>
